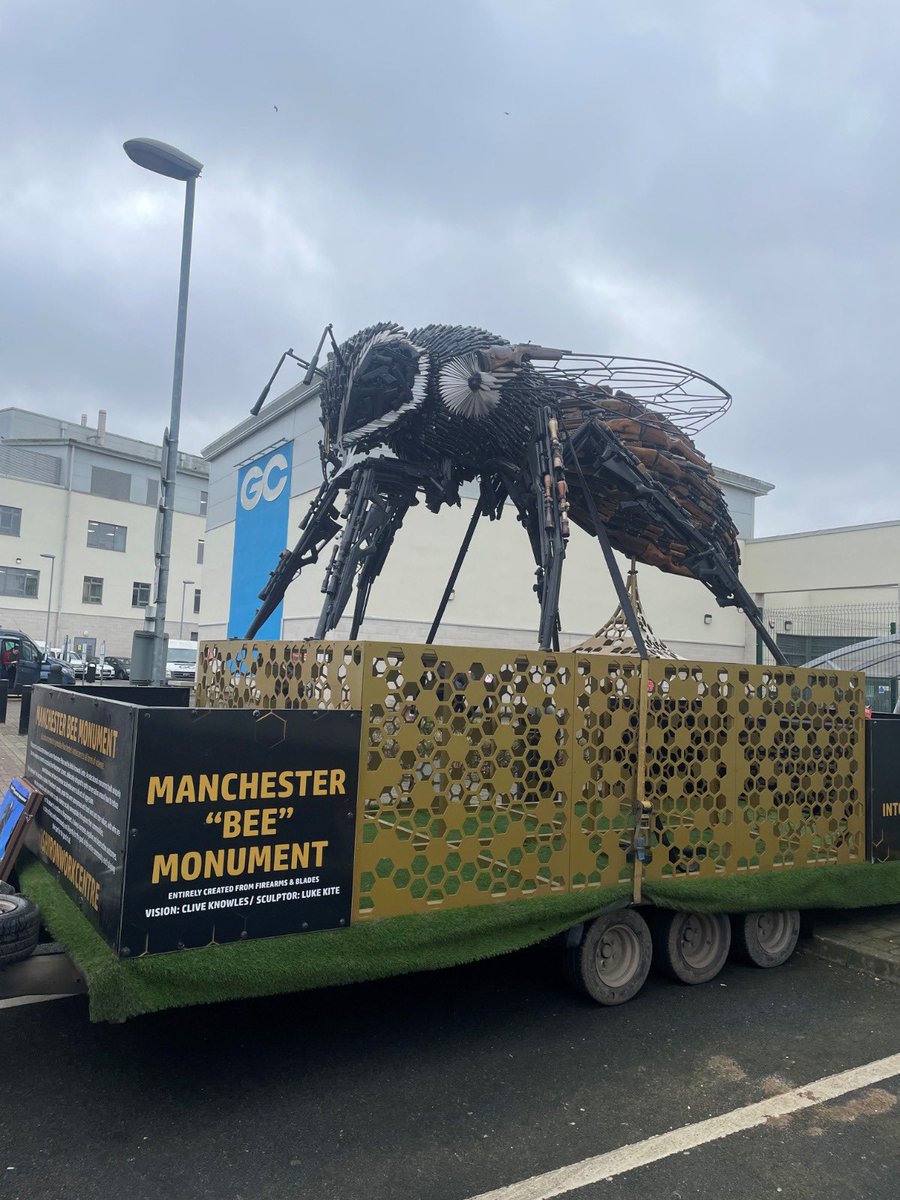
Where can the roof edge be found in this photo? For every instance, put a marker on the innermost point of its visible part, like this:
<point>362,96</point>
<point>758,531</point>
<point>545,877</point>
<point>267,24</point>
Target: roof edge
<point>747,483</point>
<point>808,533</point>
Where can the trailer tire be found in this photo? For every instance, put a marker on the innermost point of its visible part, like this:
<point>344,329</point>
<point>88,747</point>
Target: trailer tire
<point>20,924</point>
<point>765,939</point>
<point>611,961</point>
<point>690,947</point>
<point>6,889</point>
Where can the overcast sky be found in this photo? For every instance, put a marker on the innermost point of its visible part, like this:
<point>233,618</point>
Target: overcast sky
<point>707,181</point>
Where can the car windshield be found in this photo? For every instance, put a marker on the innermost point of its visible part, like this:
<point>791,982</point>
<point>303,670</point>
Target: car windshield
<point>183,656</point>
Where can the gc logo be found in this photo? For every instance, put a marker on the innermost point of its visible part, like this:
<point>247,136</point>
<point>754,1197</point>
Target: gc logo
<point>264,483</point>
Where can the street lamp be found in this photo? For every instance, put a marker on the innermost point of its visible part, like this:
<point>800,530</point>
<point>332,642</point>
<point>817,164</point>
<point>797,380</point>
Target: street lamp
<point>185,583</point>
<point>166,160</point>
<point>52,558</point>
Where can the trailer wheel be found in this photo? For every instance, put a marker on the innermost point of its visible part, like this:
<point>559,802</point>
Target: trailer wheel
<point>690,947</point>
<point>6,889</point>
<point>611,962</point>
<point>20,924</point>
<point>765,939</point>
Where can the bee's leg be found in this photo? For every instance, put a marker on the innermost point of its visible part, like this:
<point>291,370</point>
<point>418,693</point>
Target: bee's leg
<point>454,574</point>
<point>384,518</point>
<point>612,566</point>
<point>546,519</point>
<point>375,508</point>
<point>318,527</point>
<point>338,579</point>
<point>530,515</point>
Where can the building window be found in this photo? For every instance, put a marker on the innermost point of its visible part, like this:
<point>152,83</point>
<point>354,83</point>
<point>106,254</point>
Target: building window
<point>106,537</point>
<point>140,595</point>
<point>196,600</point>
<point>152,491</point>
<point>201,545</point>
<point>92,590</point>
<point>116,485</point>
<point>204,502</point>
<point>10,520</point>
<point>16,581</point>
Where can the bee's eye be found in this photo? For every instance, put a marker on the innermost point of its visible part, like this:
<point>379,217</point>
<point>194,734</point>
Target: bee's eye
<point>388,375</point>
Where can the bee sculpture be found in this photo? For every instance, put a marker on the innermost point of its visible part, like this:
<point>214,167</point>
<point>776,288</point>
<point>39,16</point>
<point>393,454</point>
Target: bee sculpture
<point>601,441</point>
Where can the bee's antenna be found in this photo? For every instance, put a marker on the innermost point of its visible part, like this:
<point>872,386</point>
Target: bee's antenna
<point>313,362</point>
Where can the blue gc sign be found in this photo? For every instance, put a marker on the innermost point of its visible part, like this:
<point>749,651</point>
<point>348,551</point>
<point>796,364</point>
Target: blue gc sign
<point>260,533</point>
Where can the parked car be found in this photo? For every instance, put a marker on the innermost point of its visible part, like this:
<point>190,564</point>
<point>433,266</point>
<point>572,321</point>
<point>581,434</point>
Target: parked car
<point>20,659</point>
<point>76,662</point>
<point>121,666</point>
<point>66,675</point>
<point>105,670</point>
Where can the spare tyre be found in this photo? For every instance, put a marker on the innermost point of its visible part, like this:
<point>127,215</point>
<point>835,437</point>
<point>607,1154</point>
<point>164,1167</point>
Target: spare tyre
<point>20,923</point>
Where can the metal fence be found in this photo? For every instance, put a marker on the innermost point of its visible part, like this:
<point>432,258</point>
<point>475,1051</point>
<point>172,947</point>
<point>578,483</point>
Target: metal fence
<point>804,634</point>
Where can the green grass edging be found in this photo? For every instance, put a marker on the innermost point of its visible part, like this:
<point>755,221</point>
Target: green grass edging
<point>854,885</point>
<point>125,988</point>
<point>120,989</point>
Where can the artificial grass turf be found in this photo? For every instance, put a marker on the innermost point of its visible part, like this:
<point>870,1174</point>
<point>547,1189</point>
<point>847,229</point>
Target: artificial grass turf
<point>125,988</point>
<point>851,885</point>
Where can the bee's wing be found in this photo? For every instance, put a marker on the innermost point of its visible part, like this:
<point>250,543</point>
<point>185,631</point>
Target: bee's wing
<point>688,399</point>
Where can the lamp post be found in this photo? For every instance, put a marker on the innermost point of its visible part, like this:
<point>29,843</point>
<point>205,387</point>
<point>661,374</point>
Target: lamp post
<point>185,584</point>
<point>166,160</point>
<point>52,558</point>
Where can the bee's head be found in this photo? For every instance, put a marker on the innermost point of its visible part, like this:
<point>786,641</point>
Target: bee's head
<point>377,377</point>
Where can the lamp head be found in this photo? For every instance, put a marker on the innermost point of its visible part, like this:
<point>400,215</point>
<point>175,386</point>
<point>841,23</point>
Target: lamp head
<point>162,158</point>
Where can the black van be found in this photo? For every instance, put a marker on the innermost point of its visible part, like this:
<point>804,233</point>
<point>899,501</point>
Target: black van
<point>20,659</point>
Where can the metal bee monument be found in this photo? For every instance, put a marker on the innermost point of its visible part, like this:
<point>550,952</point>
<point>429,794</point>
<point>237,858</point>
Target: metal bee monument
<point>604,441</point>
<point>420,804</point>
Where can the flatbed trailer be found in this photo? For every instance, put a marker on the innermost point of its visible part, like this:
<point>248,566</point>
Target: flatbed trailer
<point>633,808</point>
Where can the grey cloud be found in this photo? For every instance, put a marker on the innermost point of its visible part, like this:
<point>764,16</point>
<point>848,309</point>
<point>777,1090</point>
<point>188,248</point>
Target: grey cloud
<point>710,182</point>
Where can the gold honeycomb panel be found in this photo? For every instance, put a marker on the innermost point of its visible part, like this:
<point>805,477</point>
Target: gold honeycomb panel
<point>690,770</point>
<point>489,775</point>
<point>259,675</point>
<point>465,777</point>
<point>800,762</point>
<point>752,768</point>
<point>605,729</point>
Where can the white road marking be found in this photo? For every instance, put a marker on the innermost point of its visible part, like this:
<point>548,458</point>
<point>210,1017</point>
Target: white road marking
<point>662,1145</point>
<point>15,1001</point>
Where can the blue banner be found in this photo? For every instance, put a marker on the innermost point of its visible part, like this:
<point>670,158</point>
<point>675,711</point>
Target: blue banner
<point>260,535</point>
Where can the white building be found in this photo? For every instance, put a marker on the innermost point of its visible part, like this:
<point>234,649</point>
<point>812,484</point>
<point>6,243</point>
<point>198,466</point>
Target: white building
<point>82,503</point>
<point>826,589</point>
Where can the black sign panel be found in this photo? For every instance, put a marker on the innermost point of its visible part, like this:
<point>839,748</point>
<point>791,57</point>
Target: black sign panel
<point>242,826</point>
<point>883,787</point>
<point>174,827</point>
<point>80,754</point>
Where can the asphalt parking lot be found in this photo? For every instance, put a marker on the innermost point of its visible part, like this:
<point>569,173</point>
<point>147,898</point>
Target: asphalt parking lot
<point>455,1084</point>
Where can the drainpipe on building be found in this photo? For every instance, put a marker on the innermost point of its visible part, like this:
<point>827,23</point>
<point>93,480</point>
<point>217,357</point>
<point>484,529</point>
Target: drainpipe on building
<point>70,457</point>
